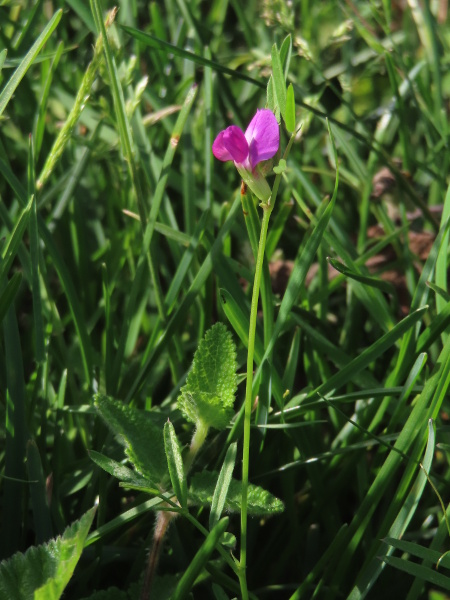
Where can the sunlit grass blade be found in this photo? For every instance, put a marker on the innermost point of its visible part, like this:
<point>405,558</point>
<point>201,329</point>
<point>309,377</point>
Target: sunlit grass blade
<point>149,227</point>
<point>420,571</point>
<point>425,407</point>
<point>35,257</point>
<point>348,372</point>
<point>39,124</point>
<point>301,266</point>
<point>180,314</point>
<point>153,42</point>
<point>379,284</point>
<point>19,73</point>
<point>441,261</point>
<point>372,570</point>
<point>63,272</point>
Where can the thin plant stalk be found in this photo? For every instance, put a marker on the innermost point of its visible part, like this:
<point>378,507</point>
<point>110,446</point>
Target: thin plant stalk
<point>267,211</point>
<point>267,208</point>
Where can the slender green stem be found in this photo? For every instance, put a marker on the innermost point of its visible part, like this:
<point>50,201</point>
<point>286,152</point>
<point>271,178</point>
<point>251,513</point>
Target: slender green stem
<point>248,396</point>
<point>197,442</point>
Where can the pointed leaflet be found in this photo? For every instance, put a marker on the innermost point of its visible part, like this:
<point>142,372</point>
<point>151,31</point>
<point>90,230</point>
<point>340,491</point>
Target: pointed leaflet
<point>175,463</point>
<point>142,435</point>
<point>289,117</point>
<point>278,80</point>
<point>223,483</point>
<point>208,396</point>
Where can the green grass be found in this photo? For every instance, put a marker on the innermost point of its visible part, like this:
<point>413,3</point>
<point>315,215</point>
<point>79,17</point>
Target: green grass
<point>123,241</point>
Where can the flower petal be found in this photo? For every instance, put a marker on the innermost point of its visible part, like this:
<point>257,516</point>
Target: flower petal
<point>263,136</point>
<point>231,144</point>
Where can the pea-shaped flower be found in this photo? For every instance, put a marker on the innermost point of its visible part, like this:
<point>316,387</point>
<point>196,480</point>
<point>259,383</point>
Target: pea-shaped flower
<point>259,142</point>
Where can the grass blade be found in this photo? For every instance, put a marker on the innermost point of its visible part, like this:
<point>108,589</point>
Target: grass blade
<point>19,73</point>
<point>199,561</point>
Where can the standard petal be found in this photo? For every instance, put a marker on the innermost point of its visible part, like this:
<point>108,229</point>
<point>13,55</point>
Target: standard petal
<point>263,136</point>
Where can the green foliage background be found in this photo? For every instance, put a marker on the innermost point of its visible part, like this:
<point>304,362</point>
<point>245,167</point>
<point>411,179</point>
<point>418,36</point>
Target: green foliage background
<point>124,242</point>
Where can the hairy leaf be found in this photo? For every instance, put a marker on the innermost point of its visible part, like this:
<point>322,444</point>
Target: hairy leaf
<point>44,571</point>
<point>260,501</point>
<point>141,433</point>
<point>208,396</point>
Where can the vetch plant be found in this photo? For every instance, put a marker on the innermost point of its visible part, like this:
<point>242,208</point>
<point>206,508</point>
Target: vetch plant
<point>261,142</point>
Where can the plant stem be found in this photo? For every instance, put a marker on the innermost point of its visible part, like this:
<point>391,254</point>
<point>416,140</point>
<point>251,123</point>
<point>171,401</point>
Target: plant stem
<point>163,520</point>
<point>248,396</point>
<point>196,443</point>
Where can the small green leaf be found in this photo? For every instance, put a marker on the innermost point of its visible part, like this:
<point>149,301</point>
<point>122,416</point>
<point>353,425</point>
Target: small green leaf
<point>289,118</point>
<point>285,54</point>
<point>208,396</point>
<point>281,167</point>
<point>222,486</point>
<point>175,463</point>
<point>278,80</point>
<point>44,571</point>
<point>142,434</point>
<point>260,501</point>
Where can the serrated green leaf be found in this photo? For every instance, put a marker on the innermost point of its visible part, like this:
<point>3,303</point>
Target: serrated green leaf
<point>289,117</point>
<point>222,485</point>
<point>44,571</point>
<point>142,434</point>
<point>260,501</point>
<point>175,464</point>
<point>208,396</point>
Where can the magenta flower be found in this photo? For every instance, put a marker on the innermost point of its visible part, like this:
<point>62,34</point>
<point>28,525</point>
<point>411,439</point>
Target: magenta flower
<point>260,142</point>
